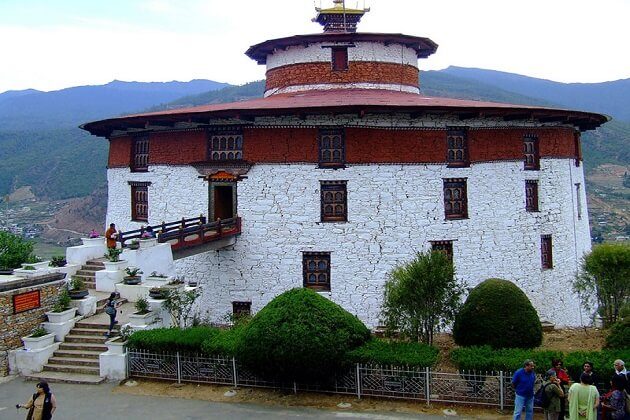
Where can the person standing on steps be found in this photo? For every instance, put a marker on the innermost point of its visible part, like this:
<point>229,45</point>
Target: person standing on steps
<point>42,404</point>
<point>523,382</point>
<point>111,235</point>
<point>111,307</point>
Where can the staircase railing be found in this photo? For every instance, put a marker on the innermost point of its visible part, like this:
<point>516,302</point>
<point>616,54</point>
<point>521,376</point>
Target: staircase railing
<point>185,233</point>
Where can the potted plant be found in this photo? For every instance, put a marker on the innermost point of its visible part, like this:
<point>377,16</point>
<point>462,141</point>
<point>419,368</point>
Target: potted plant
<point>39,339</point>
<point>157,293</point>
<point>176,283</point>
<point>132,277</point>
<point>77,289</point>
<point>93,238</point>
<point>143,315</point>
<point>61,311</point>
<point>57,261</point>
<point>135,244</point>
<point>113,262</point>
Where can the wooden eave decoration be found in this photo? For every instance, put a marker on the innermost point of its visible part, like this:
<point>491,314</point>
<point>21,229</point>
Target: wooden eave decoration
<point>222,176</point>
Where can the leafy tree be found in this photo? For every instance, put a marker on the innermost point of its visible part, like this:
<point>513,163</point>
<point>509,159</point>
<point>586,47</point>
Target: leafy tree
<point>13,250</point>
<point>605,278</point>
<point>497,313</point>
<point>299,336</point>
<point>179,304</point>
<point>422,297</point>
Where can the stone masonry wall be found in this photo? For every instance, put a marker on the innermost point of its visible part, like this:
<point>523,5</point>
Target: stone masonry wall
<point>15,326</point>
<point>358,72</point>
<point>393,211</point>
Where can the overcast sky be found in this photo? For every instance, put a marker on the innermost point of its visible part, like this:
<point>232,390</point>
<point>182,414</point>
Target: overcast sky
<point>49,45</point>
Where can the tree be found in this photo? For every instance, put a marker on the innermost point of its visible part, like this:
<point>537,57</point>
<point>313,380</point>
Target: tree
<point>605,279</point>
<point>497,313</point>
<point>179,304</point>
<point>13,250</point>
<point>422,297</point>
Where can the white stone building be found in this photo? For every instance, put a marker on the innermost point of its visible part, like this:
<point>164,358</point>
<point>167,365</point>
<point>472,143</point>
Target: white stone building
<point>344,171</point>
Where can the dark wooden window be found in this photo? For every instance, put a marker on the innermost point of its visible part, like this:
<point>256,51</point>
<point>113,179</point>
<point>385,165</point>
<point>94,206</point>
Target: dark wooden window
<point>334,201</point>
<point>531,195</point>
<point>546,253</point>
<point>455,198</point>
<point>578,147</point>
<point>240,309</point>
<point>532,156</point>
<point>140,203</point>
<point>140,154</point>
<point>331,148</point>
<point>316,270</point>
<point>443,246</point>
<point>339,58</point>
<point>457,148</point>
<point>226,144</point>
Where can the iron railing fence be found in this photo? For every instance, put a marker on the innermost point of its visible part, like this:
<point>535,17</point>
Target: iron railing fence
<point>402,382</point>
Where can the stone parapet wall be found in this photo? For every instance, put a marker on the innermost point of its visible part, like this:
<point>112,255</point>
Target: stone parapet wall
<point>15,326</point>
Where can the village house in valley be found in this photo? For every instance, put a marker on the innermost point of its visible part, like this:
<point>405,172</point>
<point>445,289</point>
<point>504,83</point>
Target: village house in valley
<point>344,170</point>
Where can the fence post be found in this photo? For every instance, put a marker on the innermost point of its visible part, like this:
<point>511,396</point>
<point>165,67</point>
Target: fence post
<point>234,372</point>
<point>501,395</point>
<point>358,382</point>
<point>179,370</point>
<point>427,386</point>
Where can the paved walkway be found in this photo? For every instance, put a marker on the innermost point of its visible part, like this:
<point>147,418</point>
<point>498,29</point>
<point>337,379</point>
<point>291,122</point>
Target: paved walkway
<point>98,402</point>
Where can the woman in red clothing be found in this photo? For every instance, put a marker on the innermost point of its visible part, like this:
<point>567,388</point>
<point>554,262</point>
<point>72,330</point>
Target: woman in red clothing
<point>563,376</point>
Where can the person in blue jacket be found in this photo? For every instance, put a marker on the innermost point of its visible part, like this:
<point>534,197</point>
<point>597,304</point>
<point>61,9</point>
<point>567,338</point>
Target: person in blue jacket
<point>523,382</point>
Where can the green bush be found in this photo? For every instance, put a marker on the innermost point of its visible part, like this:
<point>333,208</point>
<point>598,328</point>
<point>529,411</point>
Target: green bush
<point>189,340</point>
<point>14,250</point>
<point>603,362</point>
<point>299,335</point>
<point>497,313</point>
<point>383,352</point>
<point>619,335</point>
<point>487,359</point>
<point>223,343</point>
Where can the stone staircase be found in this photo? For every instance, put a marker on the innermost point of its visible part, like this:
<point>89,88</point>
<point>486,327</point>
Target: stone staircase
<point>88,270</point>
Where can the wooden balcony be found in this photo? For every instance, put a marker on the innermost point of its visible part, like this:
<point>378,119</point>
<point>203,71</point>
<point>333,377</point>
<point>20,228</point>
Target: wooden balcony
<point>187,233</point>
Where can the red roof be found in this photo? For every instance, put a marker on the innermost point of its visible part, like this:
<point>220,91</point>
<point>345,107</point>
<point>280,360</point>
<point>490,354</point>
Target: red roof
<point>346,100</point>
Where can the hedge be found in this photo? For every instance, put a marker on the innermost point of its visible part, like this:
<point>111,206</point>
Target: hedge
<point>619,335</point>
<point>484,358</point>
<point>384,352</point>
<point>223,343</point>
<point>189,340</point>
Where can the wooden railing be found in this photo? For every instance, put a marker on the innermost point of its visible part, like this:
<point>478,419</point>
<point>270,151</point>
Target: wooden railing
<point>186,232</point>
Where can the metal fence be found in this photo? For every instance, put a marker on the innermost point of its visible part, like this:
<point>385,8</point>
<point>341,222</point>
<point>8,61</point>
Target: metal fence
<point>422,384</point>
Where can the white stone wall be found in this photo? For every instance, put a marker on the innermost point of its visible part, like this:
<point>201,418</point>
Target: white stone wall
<point>328,86</point>
<point>362,51</point>
<point>393,211</point>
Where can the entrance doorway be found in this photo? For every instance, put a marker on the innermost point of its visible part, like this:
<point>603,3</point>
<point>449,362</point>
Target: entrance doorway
<point>222,201</point>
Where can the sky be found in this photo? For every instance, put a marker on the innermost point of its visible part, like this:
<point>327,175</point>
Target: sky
<point>49,45</point>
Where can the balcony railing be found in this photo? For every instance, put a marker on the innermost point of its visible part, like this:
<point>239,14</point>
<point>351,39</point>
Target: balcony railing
<point>186,233</point>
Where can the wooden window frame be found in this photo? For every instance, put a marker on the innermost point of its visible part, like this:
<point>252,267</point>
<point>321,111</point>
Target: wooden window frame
<point>531,195</point>
<point>531,152</point>
<point>139,210</point>
<point>578,199</point>
<point>318,271</point>
<point>451,184</point>
<point>325,139</point>
<point>334,188</point>
<point>443,246</point>
<point>452,149</point>
<point>546,252</point>
<point>241,308</point>
<point>339,58</point>
<point>225,141</point>
<point>140,154</point>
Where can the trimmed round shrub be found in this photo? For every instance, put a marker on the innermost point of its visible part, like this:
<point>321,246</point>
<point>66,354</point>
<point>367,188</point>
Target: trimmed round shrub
<point>619,335</point>
<point>497,313</point>
<point>299,336</point>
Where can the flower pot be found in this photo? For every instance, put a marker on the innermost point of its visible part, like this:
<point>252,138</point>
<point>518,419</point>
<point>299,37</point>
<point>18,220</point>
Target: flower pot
<point>114,265</point>
<point>137,320</point>
<point>148,243</point>
<point>134,245</point>
<point>157,294</point>
<point>36,343</point>
<point>78,294</point>
<point>59,317</point>
<point>93,241</point>
<point>132,280</point>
